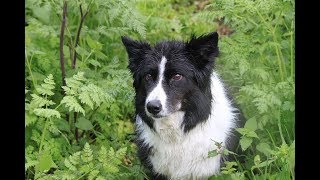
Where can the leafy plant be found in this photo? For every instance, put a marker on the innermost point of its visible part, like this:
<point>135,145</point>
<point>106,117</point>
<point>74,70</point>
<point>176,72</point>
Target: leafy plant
<point>79,96</point>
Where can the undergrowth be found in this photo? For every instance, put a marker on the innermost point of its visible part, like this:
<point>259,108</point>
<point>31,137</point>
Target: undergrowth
<point>79,95</point>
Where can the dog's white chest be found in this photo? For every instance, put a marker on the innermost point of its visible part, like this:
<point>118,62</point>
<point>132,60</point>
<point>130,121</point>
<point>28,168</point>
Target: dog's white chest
<point>179,155</point>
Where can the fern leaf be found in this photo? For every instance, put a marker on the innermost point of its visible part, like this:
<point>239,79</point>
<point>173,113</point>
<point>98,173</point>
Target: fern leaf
<point>79,76</point>
<point>30,119</point>
<point>121,153</point>
<point>35,136</point>
<point>100,178</point>
<point>86,154</point>
<point>110,168</point>
<point>47,87</point>
<point>85,98</point>
<point>68,90</point>
<point>73,83</point>
<point>38,101</point>
<point>93,174</point>
<point>69,165</point>
<point>102,154</point>
<point>75,158</point>
<point>31,163</point>
<point>68,176</point>
<point>114,12</point>
<point>94,93</point>
<point>73,104</point>
<point>46,113</point>
<point>53,128</point>
<point>49,80</point>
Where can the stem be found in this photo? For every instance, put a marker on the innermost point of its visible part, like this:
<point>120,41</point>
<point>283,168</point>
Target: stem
<point>76,130</point>
<point>63,25</point>
<point>63,71</point>
<point>88,56</point>
<point>279,64</point>
<point>291,48</point>
<point>29,68</point>
<point>42,136</point>
<point>280,129</point>
<point>78,36</point>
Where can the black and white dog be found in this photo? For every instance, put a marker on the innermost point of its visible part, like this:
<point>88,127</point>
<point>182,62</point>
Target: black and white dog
<point>182,107</point>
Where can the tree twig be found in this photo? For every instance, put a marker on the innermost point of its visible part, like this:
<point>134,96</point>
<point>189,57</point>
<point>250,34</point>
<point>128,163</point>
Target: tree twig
<point>63,70</point>
<point>83,16</point>
<point>63,25</point>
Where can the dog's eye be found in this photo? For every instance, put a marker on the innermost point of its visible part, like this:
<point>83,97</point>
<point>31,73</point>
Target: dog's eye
<point>148,77</point>
<point>177,77</point>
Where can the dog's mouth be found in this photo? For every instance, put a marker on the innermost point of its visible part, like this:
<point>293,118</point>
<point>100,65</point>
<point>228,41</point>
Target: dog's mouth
<point>158,116</point>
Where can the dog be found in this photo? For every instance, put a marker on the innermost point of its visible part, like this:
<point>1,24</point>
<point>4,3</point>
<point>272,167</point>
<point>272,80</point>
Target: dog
<point>183,109</point>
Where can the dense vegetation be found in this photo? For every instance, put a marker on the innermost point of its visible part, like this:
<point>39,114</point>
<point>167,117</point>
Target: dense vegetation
<point>79,95</point>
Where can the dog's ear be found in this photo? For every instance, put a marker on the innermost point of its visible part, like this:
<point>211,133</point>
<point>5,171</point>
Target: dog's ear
<point>203,49</point>
<point>136,51</point>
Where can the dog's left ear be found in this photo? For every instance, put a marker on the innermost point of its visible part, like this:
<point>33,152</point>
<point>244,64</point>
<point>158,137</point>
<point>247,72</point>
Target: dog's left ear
<point>203,49</point>
<point>136,51</point>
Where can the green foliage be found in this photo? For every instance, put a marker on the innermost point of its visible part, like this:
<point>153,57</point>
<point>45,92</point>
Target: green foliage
<point>82,129</point>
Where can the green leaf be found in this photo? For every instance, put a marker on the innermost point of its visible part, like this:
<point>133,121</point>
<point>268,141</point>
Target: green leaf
<point>86,154</point>
<point>251,124</point>
<point>47,113</point>
<point>212,153</point>
<point>252,134</point>
<point>45,162</point>
<point>245,142</point>
<point>256,159</point>
<point>242,131</point>
<point>30,119</point>
<point>264,148</point>
<point>62,125</point>
<point>43,13</point>
<point>95,63</point>
<point>93,44</point>
<point>93,174</point>
<point>69,165</point>
<point>73,104</point>
<point>81,51</point>
<point>85,98</point>
<point>84,124</point>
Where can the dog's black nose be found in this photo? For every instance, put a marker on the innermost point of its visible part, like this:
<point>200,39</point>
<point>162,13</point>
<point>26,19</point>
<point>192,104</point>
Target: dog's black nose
<point>154,106</point>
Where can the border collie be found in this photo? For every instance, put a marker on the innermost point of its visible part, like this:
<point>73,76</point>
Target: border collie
<point>183,110</point>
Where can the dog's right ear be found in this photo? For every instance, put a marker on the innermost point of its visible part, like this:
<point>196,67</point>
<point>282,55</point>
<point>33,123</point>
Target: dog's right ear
<point>136,51</point>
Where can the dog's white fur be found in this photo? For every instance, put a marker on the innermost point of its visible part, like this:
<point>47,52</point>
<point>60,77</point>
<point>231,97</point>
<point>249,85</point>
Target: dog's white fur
<point>185,155</point>
<point>158,92</point>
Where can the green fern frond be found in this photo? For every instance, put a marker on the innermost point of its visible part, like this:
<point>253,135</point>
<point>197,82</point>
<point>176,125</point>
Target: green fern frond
<point>69,91</point>
<point>38,101</point>
<point>47,87</point>
<point>75,158</point>
<point>93,174</point>
<point>73,83</point>
<point>53,128</point>
<point>68,176</point>
<point>46,113</point>
<point>35,136</point>
<point>86,153</point>
<point>121,153</point>
<point>30,119</point>
<point>72,103</point>
<point>86,99</point>
<point>79,76</point>
<point>69,165</point>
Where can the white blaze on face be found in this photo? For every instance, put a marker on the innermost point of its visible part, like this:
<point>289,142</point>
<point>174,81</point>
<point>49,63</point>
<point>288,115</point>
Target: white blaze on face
<point>158,92</point>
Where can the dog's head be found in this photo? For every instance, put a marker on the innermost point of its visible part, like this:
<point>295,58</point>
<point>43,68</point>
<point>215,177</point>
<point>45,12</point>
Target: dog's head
<point>172,76</point>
